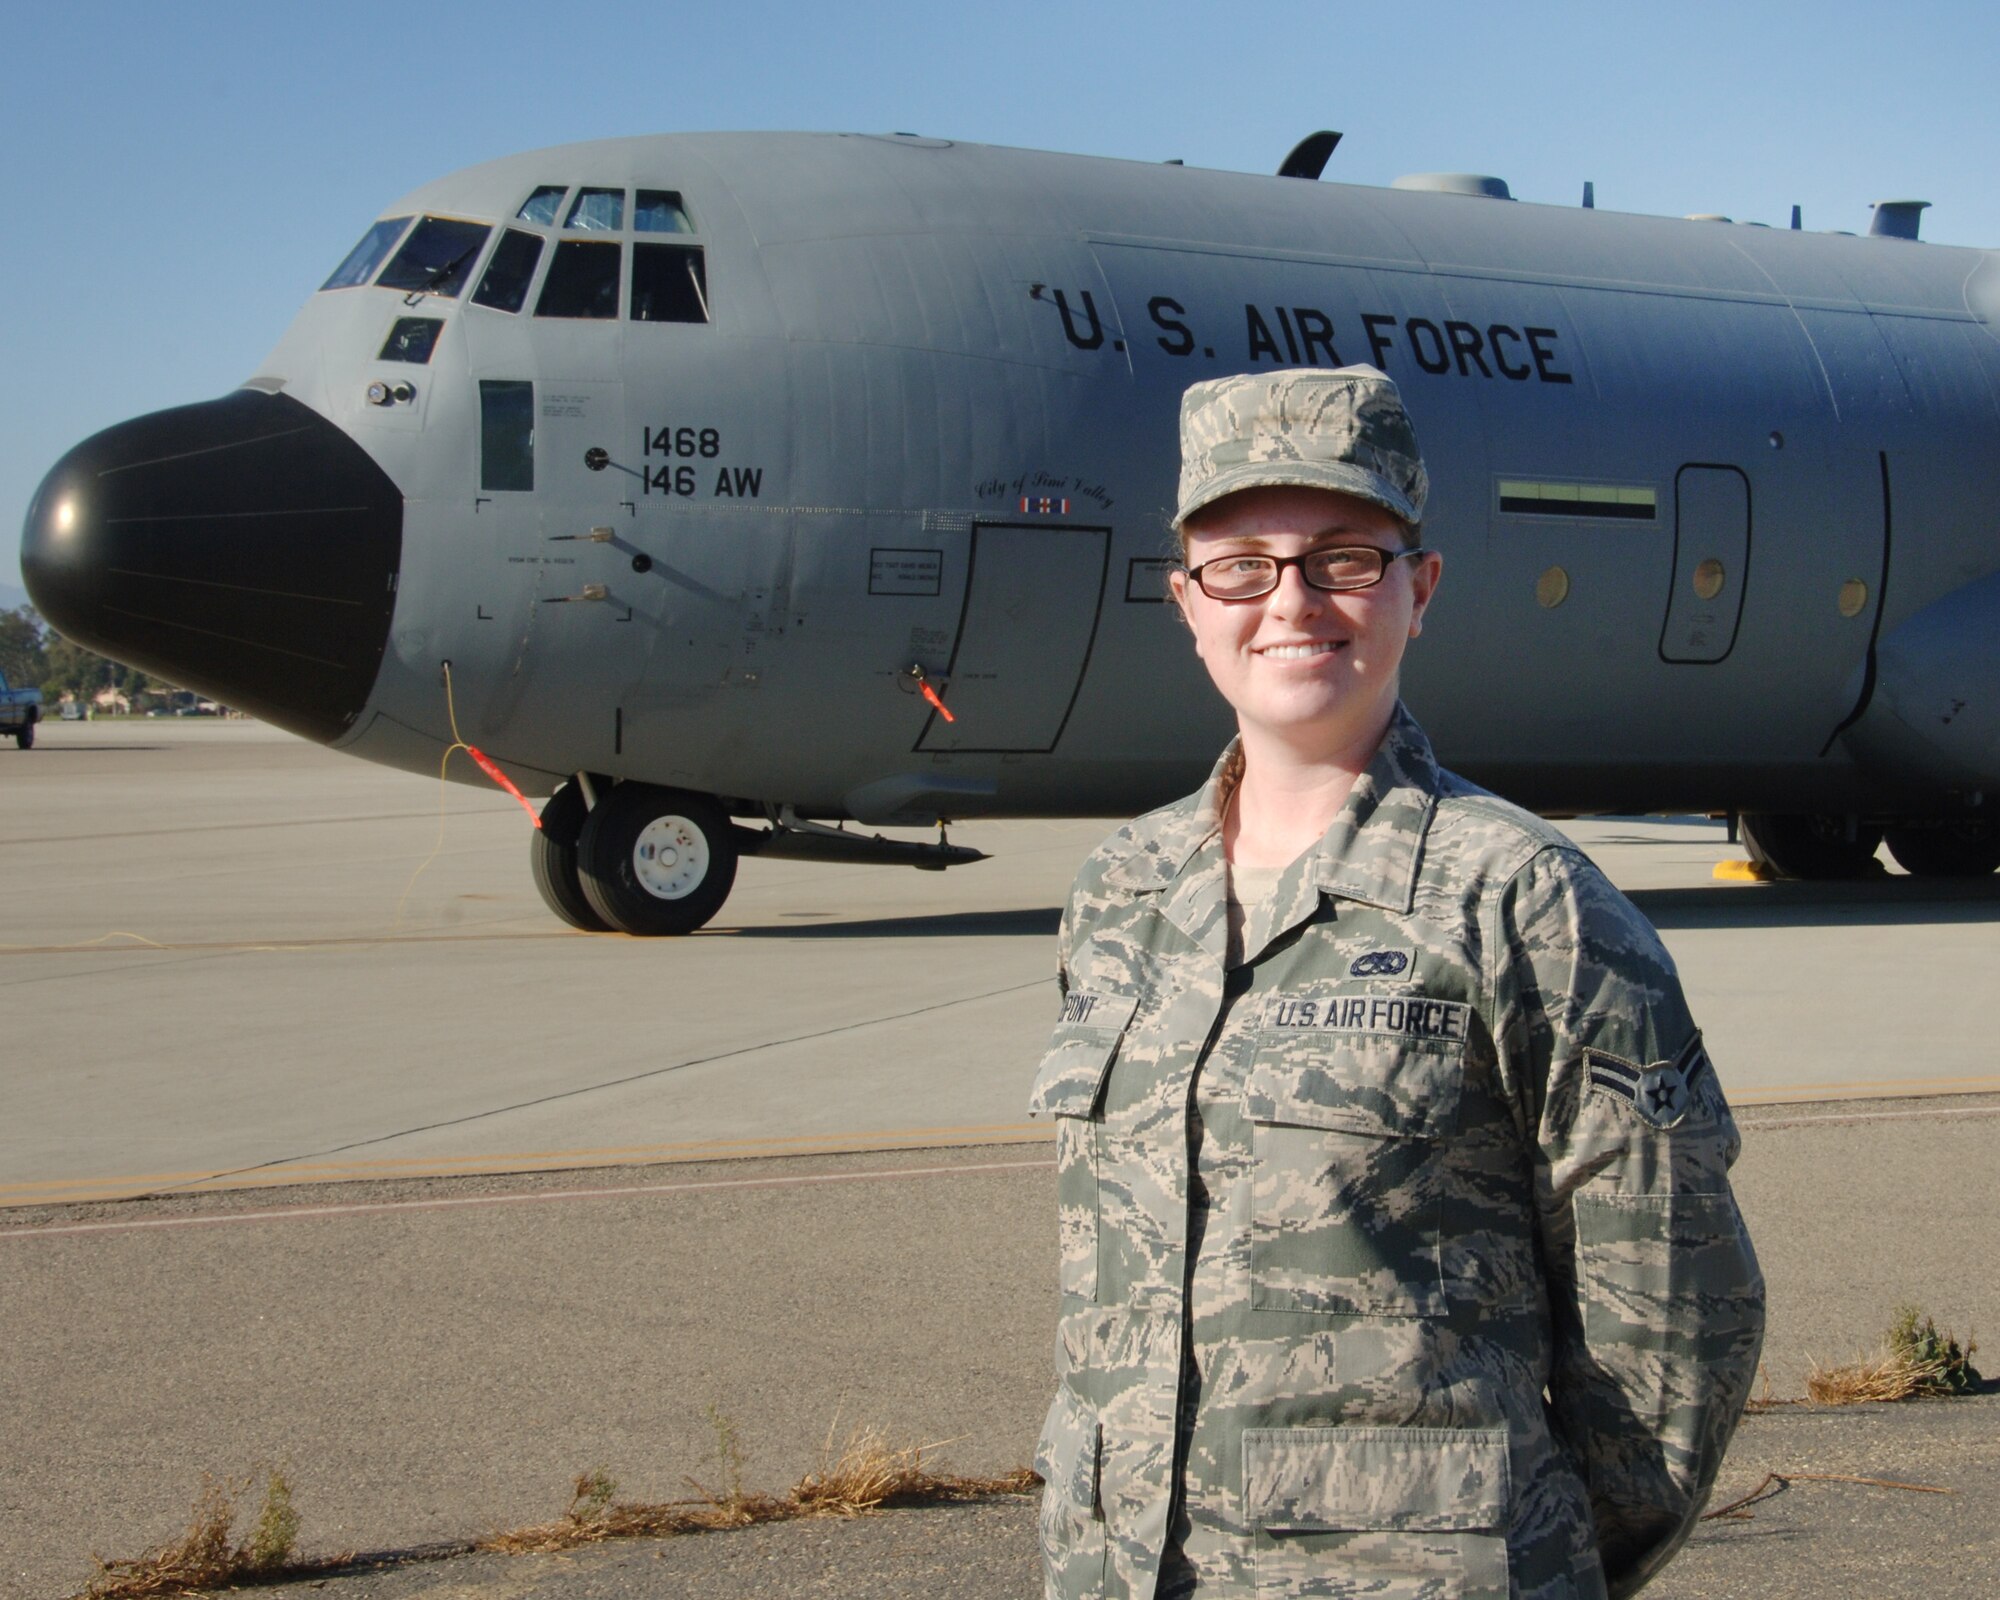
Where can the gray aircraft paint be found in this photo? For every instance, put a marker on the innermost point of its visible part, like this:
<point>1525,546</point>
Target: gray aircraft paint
<point>932,423</point>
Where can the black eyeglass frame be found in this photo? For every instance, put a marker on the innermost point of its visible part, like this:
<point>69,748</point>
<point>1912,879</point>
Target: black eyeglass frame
<point>1279,563</point>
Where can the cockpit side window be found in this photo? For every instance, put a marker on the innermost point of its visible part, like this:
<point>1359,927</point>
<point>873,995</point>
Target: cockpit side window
<point>366,256</point>
<point>660,211</point>
<point>436,258</point>
<point>505,285</point>
<point>669,283</point>
<point>597,211</point>
<point>506,434</point>
<point>582,280</point>
<point>542,205</point>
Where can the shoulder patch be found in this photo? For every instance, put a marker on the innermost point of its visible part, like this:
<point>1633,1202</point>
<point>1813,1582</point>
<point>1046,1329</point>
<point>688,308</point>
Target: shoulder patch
<point>1660,1093</point>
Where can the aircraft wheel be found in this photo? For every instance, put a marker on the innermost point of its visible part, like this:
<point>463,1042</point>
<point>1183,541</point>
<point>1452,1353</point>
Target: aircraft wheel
<point>1798,845</point>
<point>1967,848</point>
<point>552,860</point>
<point>656,861</point>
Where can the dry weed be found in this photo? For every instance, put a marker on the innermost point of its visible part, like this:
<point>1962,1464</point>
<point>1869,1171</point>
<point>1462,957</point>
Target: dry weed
<point>202,1558</point>
<point>866,1475</point>
<point>1916,1360</point>
<point>870,1474</point>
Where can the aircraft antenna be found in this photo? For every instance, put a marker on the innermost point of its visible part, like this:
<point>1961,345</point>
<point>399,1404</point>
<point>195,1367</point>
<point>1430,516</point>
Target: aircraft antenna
<point>1309,156</point>
<point>1798,219</point>
<point>1589,195</point>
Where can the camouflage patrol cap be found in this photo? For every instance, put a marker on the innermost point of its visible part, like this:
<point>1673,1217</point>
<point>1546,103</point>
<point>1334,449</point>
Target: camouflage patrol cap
<point>1341,428</point>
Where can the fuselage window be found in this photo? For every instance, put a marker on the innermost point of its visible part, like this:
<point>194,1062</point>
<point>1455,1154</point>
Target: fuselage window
<point>505,285</point>
<point>582,280</point>
<point>436,257</point>
<point>660,211</point>
<point>506,434</point>
<point>412,339</point>
<point>365,257</point>
<point>669,283</point>
<point>542,205</point>
<point>597,211</point>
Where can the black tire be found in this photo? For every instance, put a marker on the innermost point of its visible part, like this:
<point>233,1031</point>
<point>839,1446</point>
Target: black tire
<point>1966,848</point>
<point>1797,845</point>
<point>656,861</point>
<point>26,737</point>
<point>552,860</point>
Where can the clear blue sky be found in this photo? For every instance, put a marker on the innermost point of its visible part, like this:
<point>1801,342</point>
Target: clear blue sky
<point>178,178</point>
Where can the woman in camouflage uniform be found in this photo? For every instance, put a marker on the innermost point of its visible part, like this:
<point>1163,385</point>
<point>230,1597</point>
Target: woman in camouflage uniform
<point>1398,1253</point>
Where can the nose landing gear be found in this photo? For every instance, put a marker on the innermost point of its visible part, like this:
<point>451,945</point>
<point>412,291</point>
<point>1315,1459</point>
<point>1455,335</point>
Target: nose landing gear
<point>655,861</point>
<point>552,860</point>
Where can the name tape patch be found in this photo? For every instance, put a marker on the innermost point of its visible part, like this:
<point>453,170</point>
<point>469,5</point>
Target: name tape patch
<point>1077,1006</point>
<point>1404,1016</point>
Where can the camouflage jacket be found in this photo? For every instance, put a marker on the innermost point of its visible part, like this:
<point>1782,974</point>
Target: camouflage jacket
<point>1401,1259</point>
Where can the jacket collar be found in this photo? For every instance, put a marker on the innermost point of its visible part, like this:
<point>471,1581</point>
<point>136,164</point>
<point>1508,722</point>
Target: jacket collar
<point>1370,852</point>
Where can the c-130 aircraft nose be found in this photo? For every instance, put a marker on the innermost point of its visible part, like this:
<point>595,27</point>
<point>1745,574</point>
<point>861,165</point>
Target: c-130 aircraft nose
<point>244,547</point>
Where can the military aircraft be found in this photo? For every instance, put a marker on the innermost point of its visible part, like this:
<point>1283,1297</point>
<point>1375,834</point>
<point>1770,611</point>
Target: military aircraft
<point>734,488</point>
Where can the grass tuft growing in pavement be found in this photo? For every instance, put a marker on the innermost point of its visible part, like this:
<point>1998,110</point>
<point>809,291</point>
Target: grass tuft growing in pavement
<point>865,1475</point>
<point>1916,1361</point>
<point>202,1557</point>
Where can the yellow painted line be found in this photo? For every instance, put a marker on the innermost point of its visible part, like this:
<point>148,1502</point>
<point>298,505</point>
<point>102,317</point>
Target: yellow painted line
<point>797,1180</point>
<point>66,1191</point>
<point>69,1191</point>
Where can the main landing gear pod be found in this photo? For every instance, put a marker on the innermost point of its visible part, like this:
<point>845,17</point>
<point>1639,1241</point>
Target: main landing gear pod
<point>1799,845</point>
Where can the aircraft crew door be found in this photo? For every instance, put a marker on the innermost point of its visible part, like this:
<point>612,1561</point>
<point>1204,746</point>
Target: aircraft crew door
<point>1031,605</point>
<point>1711,563</point>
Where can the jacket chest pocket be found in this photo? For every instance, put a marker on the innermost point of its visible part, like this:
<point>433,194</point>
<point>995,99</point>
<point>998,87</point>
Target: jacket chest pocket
<point>1348,1137</point>
<point>1070,1088</point>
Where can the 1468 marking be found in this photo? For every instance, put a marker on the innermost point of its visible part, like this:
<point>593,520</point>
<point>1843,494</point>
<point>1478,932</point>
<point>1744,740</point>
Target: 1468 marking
<point>678,475</point>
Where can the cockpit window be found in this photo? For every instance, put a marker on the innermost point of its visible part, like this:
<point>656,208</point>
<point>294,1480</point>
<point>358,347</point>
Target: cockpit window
<point>436,257</point>
<point>365,257</point>
<point>505,286</point>
<point>597,211</point>
<point>669,283</point>
<point>506,434</point>
<point>582,280</point>
<point>412,339</point>
<point>660,211</point>
<point>542,205</point>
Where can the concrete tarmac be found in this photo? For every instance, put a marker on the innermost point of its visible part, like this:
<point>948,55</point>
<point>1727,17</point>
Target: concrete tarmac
<point>776,1174</point>
<point>233,958</point>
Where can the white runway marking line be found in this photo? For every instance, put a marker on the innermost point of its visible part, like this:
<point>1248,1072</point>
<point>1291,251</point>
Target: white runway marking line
<point>1867,1116</point>
<point>289,1213</point>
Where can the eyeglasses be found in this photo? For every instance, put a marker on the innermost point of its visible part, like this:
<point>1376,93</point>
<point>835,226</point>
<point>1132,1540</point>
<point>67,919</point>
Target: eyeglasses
<point>1339,569</point>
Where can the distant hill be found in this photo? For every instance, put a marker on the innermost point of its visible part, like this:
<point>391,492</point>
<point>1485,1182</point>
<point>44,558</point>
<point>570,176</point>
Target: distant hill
<point>12,598</point>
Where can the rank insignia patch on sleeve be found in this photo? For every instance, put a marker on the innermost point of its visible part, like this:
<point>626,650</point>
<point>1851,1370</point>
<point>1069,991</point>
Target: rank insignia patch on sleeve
<point>1660,1093</point>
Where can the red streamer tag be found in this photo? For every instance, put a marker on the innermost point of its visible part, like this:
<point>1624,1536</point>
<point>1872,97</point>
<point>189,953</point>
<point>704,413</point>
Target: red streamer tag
<point>504,781</point>
<point>930,694</point>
